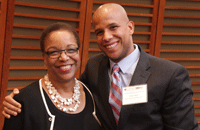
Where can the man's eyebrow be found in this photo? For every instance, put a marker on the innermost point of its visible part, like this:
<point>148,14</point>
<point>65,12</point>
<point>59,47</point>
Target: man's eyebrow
<point>111,24</point>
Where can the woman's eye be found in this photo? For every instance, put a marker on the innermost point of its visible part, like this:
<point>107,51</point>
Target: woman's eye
<point>71,50</point>
<point>53,52</point>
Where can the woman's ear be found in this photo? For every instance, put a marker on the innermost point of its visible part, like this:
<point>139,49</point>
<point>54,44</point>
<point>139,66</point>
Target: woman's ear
<point>45,62</point>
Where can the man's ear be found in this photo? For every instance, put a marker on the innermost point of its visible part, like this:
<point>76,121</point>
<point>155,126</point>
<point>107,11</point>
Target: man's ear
<point>131,27</point>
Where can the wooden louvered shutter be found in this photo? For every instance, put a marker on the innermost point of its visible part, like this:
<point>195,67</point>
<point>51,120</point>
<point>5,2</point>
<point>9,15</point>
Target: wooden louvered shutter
<point>178,39</point>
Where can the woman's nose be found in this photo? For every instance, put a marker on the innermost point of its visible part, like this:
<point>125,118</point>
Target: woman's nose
<point>63,55</point>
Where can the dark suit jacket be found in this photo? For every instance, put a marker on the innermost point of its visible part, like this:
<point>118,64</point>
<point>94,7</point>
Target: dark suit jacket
<point>169,107</point>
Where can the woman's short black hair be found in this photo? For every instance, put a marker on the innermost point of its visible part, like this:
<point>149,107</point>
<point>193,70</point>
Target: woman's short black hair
<point>56,27</point>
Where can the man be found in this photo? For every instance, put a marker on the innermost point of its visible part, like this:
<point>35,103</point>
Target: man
<point>165,100</point>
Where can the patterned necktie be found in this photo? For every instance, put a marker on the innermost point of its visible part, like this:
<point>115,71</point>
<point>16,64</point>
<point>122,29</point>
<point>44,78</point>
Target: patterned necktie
<point>115,98</point>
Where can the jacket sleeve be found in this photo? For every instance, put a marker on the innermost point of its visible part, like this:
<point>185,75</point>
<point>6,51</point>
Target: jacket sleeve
<point>178,105</point>
<point>15,122</point>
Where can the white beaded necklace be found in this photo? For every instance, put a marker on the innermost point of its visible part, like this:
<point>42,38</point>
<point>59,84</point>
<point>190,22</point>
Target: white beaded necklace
<point>60,101</point>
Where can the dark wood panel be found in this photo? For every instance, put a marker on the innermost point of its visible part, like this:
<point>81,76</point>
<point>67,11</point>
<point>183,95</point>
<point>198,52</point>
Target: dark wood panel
<point>8,7</point>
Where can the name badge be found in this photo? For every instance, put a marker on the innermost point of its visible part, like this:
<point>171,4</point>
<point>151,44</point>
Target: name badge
<point>134,94</point>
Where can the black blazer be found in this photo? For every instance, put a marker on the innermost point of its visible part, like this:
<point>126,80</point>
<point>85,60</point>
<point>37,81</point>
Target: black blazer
<point>169,107</point>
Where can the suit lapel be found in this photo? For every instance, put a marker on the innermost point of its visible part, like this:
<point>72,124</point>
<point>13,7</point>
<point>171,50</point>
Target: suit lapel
<point>103,83</point>
<point>140,76</point>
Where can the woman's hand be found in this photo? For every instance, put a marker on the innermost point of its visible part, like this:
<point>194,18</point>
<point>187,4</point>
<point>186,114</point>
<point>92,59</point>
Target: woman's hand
<point>10,106</point>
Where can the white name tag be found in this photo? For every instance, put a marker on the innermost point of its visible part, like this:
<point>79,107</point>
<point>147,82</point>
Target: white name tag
<point>134,94</point>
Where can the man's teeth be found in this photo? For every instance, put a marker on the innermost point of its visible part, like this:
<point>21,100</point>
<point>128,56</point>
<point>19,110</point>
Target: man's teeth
<point>65,67</point>
<point>111,46</point>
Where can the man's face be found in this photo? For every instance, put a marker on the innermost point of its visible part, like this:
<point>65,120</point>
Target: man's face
<point>114,34</point>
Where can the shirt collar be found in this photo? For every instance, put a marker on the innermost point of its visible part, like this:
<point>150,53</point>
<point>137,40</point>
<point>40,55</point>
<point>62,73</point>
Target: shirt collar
<point>128,61</point>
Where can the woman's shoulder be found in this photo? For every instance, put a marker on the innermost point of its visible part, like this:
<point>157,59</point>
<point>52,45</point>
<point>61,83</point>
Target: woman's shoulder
<point>31,87</point>
<point>32,90</point>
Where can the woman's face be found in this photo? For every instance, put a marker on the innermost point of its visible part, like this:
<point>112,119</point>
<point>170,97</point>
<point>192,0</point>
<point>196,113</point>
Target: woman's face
<point>64,67</point>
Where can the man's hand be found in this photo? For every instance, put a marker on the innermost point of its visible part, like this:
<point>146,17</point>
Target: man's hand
<point>10,106</point>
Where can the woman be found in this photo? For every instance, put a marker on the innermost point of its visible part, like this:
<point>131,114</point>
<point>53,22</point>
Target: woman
<point>58,101</point>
